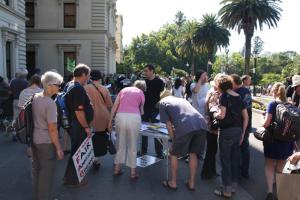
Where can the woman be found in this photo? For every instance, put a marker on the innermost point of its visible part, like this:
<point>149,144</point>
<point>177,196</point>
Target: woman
<point>178,90</point>
<point>128,109</point>
<point>233,122</point>
<point>212,103</point>
<point>34,87</point>
<point>276,152</point>
<point>102,103</point>
<point>46,144</point>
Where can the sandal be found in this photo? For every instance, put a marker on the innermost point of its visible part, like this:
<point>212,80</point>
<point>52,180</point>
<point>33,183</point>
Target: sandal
<point>134,176</point>
<point>168,186</point>
<point>187,184</point>
<point>220,193</point>
<point>118,172</point>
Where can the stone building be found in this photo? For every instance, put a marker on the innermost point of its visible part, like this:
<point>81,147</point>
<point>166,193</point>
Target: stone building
<point>119,38</point>
<point>12,37</point>
<point>62,33</point>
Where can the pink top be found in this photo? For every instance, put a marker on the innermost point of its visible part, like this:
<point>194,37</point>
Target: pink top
<point>131,98</point>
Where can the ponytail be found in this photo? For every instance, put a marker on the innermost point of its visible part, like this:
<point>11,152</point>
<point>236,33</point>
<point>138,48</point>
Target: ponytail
<point>279,91</point>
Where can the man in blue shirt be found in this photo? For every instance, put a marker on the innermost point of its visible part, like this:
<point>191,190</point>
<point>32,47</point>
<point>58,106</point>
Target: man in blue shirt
<point>247,99</point>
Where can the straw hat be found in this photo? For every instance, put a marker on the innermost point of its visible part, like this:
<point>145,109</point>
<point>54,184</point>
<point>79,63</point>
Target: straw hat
<point>296,80</point>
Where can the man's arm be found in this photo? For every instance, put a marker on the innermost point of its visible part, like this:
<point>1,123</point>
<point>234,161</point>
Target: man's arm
<point>80,114</point>
<point>169,126</point>
<point>197,87</point>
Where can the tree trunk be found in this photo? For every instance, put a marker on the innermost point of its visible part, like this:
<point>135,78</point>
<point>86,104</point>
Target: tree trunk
<point>247,52</point>
<point>193,66</point>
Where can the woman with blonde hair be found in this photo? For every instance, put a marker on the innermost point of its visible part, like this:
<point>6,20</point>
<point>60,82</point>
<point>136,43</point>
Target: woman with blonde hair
<point>275,152</point>
<point>127,110</point>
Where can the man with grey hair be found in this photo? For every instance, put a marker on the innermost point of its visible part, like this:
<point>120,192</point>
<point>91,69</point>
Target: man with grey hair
<point>80,115</point>
<point>18,84</point>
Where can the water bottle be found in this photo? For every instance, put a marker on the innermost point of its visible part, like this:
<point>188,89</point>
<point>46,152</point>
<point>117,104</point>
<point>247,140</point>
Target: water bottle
<point>65,120</point>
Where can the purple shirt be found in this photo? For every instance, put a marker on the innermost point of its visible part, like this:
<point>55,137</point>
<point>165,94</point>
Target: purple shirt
<point>131,99</point>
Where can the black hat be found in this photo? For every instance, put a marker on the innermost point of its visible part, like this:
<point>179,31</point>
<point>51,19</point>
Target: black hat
<point>95,75</point>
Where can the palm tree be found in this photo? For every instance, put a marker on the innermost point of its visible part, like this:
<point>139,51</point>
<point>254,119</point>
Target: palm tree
<point>210,35</point>
<point>186,47</point>
<point>248,15</point>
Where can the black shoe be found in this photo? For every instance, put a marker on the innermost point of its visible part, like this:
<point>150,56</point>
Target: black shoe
<point>96,166</point>
<point>270,196</point>
<point>160,156</point>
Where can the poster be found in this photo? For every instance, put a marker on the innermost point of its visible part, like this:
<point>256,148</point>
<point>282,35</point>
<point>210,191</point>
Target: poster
<point>83,158</point>
<point>146,160</point>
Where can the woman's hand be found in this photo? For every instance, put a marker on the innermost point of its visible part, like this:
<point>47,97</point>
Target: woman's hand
<point>242,139</point>
<point>294,158</point>
<point>59,154</point>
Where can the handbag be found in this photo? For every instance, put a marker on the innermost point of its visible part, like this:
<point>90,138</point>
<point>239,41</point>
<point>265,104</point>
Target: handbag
<point>288,186</point>
<point>110,146</point>
<point>264,134</point>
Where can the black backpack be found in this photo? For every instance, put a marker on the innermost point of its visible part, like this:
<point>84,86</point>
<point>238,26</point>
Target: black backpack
<point>287,122</point>
<point>24,124</point>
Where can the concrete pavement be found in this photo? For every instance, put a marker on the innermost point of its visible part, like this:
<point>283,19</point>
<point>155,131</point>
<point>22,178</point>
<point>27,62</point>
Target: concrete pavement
<point>16,182</point>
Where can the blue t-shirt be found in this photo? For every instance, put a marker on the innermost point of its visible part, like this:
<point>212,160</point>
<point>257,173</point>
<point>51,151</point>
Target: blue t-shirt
<point>272,109</point>
<point>247,99</point>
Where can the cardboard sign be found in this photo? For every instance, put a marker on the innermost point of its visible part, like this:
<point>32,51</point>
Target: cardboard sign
<point>83,158</point>
<point>146,160</point>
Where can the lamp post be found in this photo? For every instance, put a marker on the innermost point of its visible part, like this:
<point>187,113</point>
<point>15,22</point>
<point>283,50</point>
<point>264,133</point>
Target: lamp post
<point>209,64</point>
<point>227,64</point>
<point>187,65</point>
<point>254,78</point>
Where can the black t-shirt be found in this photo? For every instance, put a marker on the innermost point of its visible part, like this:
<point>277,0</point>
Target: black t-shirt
<point>77,99</point>
<point>296,99</point>
<point>289,91</point>
<point>188,89</point>
<point>152,96</point>
<point>235,105</point>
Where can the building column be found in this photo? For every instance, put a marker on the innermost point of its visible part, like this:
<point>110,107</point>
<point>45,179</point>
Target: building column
<point>60,14</point>
<point>2,58</point>
<point>60,64</point>
<point>4,38</point>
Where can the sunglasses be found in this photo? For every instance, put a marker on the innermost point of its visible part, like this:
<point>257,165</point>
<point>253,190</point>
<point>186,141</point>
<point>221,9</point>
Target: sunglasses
<point>58,85</point>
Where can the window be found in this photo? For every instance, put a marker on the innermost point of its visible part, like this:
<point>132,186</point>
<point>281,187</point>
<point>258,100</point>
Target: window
<point>29,11</point>
<point>69,62</point>
<point>8,60</point>
<point>30,58</point>
<point>69,15</point>
<point>6,2</point>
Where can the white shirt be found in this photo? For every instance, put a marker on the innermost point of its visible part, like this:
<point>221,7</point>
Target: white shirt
<point>198,99</point>
<point>178,92</point>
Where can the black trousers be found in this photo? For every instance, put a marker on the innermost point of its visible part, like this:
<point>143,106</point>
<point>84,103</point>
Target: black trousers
<point>209,165</point>
<point>158,146</point>
<point>77,136</point>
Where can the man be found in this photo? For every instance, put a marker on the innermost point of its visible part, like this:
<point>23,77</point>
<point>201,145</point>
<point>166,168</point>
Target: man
<point>247,99</point>
<point>296,86</point>
<point>80,115</point>
<point>188,91</point>
<point>246,82</point>
<point>154,87</point>
<point>101,100</point>
<point>199,91</point>
<point>187,130</point>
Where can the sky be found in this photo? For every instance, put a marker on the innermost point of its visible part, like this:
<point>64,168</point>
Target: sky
<point>144,16</point>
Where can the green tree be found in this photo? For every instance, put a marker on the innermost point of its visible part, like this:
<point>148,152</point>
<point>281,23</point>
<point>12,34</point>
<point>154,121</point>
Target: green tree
<point>248,15</point>
<point>210,35</point>
<point>186,47</point>
<point>180,18</point>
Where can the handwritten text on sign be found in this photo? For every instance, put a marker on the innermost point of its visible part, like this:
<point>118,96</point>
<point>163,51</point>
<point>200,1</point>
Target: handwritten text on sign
<point>84,158</point>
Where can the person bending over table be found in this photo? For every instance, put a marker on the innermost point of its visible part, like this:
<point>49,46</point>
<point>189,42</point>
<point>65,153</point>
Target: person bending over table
<point>187,129</point>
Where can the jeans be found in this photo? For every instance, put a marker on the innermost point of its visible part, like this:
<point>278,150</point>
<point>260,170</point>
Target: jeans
<point>245,155</point>
<point>229,155</point>
<point>77,136</point>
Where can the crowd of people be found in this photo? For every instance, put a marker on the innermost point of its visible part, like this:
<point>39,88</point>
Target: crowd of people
<point>203,116</point>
